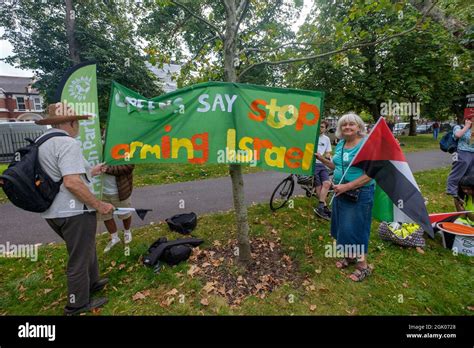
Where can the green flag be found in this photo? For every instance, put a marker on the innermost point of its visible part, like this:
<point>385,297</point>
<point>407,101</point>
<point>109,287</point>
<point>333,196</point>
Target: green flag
<point>216,122</point>
<point>78,89</point>
<point>383,206</point>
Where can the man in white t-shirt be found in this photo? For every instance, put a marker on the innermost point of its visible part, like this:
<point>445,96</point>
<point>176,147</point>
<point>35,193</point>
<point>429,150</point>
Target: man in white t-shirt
<point>321,174</point>
<point>61,158</point>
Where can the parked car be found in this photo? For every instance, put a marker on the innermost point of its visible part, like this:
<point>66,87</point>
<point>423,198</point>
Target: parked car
<point>446,127</point>
<point>401,129</point>
<point>424,129</point>
<point>13,134</point>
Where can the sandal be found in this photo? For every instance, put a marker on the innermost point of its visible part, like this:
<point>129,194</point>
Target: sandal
<point>345,262</point>
<point>361,273</point>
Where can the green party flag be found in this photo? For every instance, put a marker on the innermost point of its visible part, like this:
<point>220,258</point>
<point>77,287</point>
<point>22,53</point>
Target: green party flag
<point>216,122</point>
<point>78,88</point>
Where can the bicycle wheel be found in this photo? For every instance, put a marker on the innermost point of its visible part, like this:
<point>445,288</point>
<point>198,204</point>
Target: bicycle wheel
<point>282,193</point>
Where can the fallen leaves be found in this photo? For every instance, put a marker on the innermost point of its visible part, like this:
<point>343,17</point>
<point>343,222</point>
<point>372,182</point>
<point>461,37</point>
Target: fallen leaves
<point>209,287</point>
<point>141,295</point>
<point>351,312</point>
<point>167,302</point>
<point>49,274</point>
<point>96,310</point>
<point>193,270</point>
<point>269,268</point>
<point>172,292</point>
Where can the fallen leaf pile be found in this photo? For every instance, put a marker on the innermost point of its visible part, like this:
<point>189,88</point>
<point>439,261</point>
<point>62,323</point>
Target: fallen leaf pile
<point>269,268</point>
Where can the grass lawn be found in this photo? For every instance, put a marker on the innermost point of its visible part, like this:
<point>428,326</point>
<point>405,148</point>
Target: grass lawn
<point>405,281</point>
<point>421,142</point>
<point>157,174</point>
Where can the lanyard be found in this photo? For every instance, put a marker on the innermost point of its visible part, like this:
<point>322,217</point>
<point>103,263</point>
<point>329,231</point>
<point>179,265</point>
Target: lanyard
<point>342,156</point>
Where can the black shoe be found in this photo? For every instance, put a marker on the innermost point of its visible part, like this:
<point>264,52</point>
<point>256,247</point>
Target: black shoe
<point>99,285</point>
<point>327,211</point>
<point>94,303</point>
<point>321,213</point>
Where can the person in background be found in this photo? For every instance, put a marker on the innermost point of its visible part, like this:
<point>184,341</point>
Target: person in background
<point>351,216</point>
<point>321,174</point>
<point>463,159</point>
<point>390,123</point>
<point>117,189</point>
<point>435,130</point>
<point>466,201</point>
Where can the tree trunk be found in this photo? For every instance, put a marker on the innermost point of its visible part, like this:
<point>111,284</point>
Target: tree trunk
<point>70,26</point>
<point>450,23</point>
<point>235,170</point>
<point>375,111</point>
<point>412,131</point>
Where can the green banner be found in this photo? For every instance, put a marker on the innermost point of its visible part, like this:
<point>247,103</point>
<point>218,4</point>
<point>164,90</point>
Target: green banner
<point>79,90</point>
<point>216,122</point>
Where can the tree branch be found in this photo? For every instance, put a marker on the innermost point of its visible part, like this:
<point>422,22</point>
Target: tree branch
<point>209,24</point>
<point>241,12</point>
<point>451,24</point>
<point>205,42</point>
<point>272,49</point>
<point>343,49</point>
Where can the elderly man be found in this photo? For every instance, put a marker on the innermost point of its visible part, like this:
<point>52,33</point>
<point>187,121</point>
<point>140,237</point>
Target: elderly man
<point>61,157</point>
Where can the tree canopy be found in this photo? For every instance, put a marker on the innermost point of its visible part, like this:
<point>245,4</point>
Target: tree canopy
<point>105,33</point>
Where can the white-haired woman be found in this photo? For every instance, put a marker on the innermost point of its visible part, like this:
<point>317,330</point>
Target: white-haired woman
<point>351,217</point>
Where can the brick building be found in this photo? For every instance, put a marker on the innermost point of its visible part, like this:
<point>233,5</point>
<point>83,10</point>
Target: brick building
<point>18,100</point>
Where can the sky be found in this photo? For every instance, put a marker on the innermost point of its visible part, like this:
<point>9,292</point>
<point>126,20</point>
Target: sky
<point>6,69</point>
<point>6,48</point>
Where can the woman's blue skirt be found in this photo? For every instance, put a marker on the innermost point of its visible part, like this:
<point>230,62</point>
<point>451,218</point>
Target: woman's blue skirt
<point>351,221</point>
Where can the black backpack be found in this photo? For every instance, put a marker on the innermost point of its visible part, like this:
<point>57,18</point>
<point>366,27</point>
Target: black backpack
<point>25,183</point>
<point>172,252</point>
<point>182,223</point>
<point>448,143</point>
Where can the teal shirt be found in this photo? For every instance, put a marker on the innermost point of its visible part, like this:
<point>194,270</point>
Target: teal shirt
<point>353,172</point>
<point>464,143</point>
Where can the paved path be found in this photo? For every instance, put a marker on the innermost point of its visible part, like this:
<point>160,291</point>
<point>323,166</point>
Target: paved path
<point>204,196</point>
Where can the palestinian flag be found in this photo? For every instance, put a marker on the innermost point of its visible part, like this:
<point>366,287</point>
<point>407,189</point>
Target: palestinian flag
<point>398,196</point>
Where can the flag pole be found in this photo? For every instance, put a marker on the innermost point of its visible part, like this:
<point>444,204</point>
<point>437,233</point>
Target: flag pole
<point>345,172</point>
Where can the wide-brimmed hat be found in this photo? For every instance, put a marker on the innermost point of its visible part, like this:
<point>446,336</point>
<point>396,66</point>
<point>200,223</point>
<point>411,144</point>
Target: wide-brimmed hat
<point>61,113</point>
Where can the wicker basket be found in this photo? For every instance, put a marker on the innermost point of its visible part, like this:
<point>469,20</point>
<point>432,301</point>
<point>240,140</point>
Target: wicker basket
<point>413,240</point>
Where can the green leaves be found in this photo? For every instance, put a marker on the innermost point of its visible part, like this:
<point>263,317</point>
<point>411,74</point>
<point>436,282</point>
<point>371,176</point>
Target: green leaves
<point>104,33</point>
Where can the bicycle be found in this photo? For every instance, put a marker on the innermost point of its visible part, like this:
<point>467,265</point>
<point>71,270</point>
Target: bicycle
<point>284,190</point>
